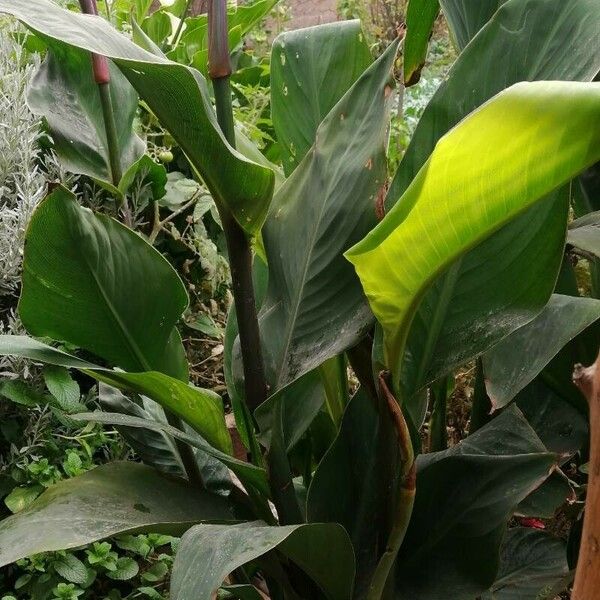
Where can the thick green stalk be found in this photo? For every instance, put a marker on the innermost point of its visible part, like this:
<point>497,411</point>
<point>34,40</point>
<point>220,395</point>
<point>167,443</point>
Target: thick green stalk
<point>111,133</point>
<point>405,501</point>
<point>240,263</point>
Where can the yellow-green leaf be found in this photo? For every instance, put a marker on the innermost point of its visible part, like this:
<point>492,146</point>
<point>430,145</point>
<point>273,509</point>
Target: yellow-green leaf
<point>501,159</point>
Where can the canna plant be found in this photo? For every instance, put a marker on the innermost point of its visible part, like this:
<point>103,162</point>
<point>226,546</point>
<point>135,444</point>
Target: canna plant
<point>460,257</point>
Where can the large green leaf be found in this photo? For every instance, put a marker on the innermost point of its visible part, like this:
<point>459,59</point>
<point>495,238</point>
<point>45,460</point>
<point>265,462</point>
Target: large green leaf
<point>530,562</point>
<point>112,499</point>
<point>91,281</point>
<point>466,17</point>
<point>208,553</point>
<point>514,362</point>
<point>455,203</point>
<point>247,473</point>
<point>420,18</point>
<point>201,409</point>
<point>64,92</point>
<point>357,480</point>
<point>311,69</point>
<point>525,40</point>
<point>584,233</point>
<point>179,97</point>
<point>315,307</point>
<point>516,267</point>
<point>465,496</point>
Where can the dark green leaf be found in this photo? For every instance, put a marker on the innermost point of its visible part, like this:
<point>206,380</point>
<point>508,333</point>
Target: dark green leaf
<point>154,448</point>
<point>201,409</point>
<point>515,361</point>
<point>63,387</point>
<point>465,496</point>
<point>96,284</point>
<point>420,18</point>
<point>300,403</point>
<point>315,307</point>
<point>111,499</point>
<point>311,69</point>
<point>530,562</point>
<point>64,92</point>
<point>562,428</point>
<point>208,553</point>
<point>548,498</point>
<point>178,96</point>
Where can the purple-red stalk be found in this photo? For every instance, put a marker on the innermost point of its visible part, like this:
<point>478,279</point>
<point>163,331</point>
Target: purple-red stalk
<point>99,63</point>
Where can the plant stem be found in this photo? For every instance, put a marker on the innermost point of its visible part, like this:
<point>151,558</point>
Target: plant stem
<point>406,497</point>
<point>102,79</point>
<point>240,264</point>
<point>179,29</point>
<point>111,133</point>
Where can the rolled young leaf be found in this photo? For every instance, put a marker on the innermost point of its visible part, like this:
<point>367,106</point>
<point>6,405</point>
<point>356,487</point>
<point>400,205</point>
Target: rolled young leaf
<point>420,18</point>
<point>465,497</point>
<point>499,161</point>
<point>179,97</point>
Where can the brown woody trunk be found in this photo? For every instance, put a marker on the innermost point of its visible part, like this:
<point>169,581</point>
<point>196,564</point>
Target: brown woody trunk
<point>587,577</point>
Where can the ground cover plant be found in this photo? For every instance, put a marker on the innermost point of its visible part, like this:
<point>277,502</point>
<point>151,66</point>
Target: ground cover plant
<point>465,256</point>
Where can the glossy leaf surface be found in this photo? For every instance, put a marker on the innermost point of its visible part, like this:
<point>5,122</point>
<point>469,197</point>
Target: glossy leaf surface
<point>91,281</point>
<point>64,92</point>
<point>111,499</point>
<point>207,554</point>
<point>315,308</point>
<point>454,204</point>
<point>178,96</point>
<point>311,69</point>
<point>515,361</point>
<point>465,496</point>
